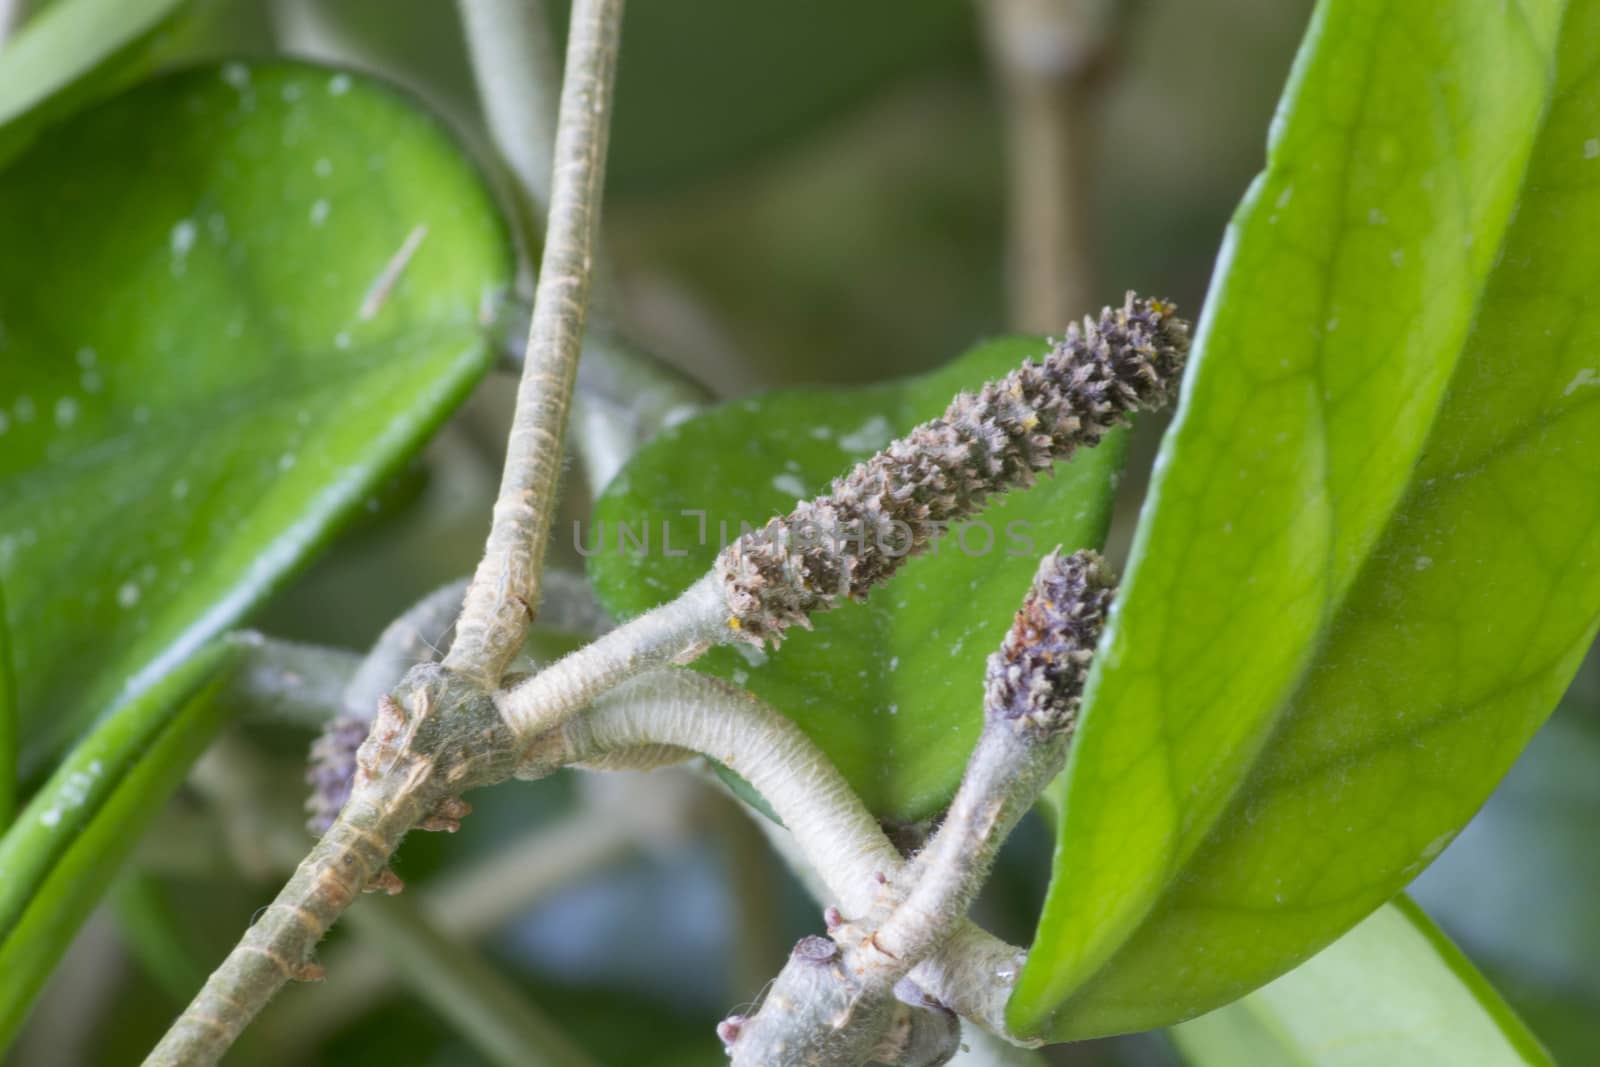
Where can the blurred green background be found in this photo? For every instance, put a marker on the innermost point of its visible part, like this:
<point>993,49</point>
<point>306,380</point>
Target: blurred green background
<point>800,193</point>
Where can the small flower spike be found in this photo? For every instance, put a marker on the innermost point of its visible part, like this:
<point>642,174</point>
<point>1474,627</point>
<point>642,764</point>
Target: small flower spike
<point>332,770</point>
<point>892,506</point>
<point>1035,680</point>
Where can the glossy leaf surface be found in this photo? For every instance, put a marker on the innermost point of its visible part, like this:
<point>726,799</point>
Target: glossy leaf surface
<point>1369,565</point>
<point>60,856</point>
<point>67,52</point>
<point>1393,990</point>
<point>231,300</point>
<point>8,723</point>
<point>891,689</point>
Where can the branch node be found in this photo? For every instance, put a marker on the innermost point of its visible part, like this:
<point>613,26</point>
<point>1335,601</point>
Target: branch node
<point>385,882</point>
<point>309,971</point>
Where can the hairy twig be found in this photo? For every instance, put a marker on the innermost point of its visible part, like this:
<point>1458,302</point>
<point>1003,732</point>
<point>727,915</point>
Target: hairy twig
<point>445,730</point>
<point>701,714</point>
<point>413,637</point>
<point>835,1000</point>
<point>477,900</point>
<point>513,63</point>
<point>438,737</point>
<point>1031,699</point>
<point>500,601</point>
<point>840,840</point>
<point>623,397</point>
<point>422,632</point>
<point>414,942</point>
<point>678,631</point>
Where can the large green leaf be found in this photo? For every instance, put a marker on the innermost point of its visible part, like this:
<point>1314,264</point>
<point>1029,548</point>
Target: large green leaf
<point>1392,991</point>
<point>68,52</point>
<point>202,365</point>
<point>1369,564</point>
<point>1518,888</point>
<point>59,857</point>
<point>891,689</point>
<point>8,722</point>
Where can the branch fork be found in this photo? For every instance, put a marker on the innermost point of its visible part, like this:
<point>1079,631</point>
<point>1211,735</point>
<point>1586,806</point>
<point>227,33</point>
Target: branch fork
<point>895,974</point>
<point>840,998</point>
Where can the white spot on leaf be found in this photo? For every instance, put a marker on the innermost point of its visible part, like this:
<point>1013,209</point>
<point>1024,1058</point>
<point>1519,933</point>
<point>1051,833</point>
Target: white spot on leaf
<point>788,483</point>
<point>1586,376</point>
<point>181,240</point>
<point>869,436</point>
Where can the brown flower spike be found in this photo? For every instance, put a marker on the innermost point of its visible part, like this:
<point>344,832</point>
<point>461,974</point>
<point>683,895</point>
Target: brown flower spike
<point>892,506</point>
<point>1035,681</point>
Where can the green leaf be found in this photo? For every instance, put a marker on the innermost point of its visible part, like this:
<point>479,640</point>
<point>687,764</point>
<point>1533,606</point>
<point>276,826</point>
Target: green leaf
<point>60,855</point>
<point>1518,888</point>
<point>192,395</point>
<point>890,689</point>
<point>69,52</point>
<point>8,722</point>
<point>1392,991</point>
<point>1368,566</point>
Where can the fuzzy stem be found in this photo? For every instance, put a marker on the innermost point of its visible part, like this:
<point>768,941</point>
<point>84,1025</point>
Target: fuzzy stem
<point>500,601</point>
<point>623,397</point>
<point>278,947</point>
<point>443,734</point>
<point>438,738</point>
<point>674,632</point>
<point>839,839</point>
<point>566,605</point>
<point>1002,781</point>
<point>469,904</point>
<point>397,938</point>
<point>411,638</point>
<point>833,1002</point>
<point>708,716</point>
<point>1032,689</point>
<point>514,65</point>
